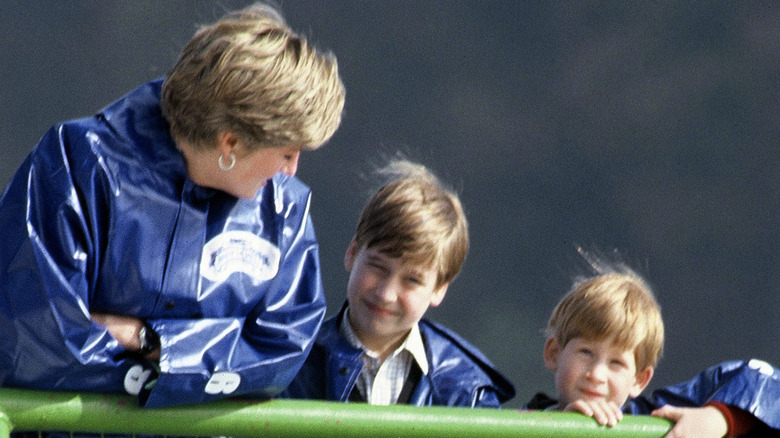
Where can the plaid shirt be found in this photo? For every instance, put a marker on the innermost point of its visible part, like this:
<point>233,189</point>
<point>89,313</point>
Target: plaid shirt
<point>380,383</point>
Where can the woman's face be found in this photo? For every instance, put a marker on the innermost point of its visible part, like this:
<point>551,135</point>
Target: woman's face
<point>253,169</point>
<point>250,171</point>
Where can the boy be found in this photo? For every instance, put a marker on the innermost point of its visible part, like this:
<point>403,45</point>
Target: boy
<point>409,245</point>
<point>605,338</point>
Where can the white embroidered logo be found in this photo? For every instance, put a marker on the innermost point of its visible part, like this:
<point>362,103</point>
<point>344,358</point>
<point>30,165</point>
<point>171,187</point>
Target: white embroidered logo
<point>223,382</point>
<point>239,251</point>
<point>135,378</point>
<point>762,367</point>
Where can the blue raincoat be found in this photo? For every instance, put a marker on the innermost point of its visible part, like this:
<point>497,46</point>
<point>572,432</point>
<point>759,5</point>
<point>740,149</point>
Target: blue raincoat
<point>753,386</point>
<point>101,217</point>
<point>459,374</point>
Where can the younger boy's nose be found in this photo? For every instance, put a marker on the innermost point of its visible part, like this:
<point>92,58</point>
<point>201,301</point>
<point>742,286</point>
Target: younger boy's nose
<point>597,372</point>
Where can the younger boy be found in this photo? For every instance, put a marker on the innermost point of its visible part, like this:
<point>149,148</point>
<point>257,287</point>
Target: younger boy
<point>410,243</point>
<point>605,338</point>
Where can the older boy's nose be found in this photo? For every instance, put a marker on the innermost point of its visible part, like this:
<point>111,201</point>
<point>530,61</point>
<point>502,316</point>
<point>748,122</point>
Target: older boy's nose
<point>387,291</point>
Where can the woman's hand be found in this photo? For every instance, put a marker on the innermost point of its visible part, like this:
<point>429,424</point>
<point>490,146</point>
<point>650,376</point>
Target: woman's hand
<point>125,330</point>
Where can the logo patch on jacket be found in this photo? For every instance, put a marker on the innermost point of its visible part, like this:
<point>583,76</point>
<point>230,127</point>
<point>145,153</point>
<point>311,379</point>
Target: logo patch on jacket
<point>239,251</point>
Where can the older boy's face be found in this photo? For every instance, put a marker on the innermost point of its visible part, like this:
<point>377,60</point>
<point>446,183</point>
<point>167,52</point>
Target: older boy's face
<point>593,370</point>
<point>386,296</point>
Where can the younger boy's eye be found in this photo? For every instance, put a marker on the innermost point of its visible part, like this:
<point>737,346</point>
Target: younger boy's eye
<point>618,363</point>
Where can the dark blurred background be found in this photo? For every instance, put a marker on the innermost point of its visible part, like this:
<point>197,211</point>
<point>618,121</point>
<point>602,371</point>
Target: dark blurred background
<point>647,127</point>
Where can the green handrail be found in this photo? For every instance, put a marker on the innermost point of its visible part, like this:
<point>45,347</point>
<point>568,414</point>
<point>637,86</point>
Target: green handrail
<point>24,410</point>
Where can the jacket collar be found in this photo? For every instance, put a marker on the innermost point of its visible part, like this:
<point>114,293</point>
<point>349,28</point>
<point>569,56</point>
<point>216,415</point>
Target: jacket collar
<point>413,342</point>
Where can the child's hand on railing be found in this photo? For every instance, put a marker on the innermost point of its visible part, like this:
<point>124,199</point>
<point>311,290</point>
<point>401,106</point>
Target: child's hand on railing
<point>606,413</point>
<point>694,422</point>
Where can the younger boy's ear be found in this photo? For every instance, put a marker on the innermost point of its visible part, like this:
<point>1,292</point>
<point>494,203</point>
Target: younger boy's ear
<point>551,351</point>
<point>642,380</point>
<point>350,255</point>
<point>438,295</point>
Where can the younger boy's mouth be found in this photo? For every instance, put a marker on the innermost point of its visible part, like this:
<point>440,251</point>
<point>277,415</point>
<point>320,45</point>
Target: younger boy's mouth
<point>590,394</point>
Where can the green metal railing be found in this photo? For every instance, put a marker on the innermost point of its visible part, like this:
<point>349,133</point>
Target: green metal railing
<point>25,410</point>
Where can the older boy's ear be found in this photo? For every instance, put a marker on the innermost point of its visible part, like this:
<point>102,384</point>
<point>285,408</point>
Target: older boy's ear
<point>438,295</point>
<point>642,380</point>
<point>551,351</point>
<point>350,255</point>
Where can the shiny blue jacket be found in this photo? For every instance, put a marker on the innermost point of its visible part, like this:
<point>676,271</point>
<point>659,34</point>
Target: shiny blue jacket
<point>101,216</point>
<point>753,386</point>
<point>458,375</point>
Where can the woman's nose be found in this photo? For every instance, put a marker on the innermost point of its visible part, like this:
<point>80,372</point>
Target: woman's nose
<point>291,165</point>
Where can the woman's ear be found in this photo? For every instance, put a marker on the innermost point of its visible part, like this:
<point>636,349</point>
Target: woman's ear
<point>551,351</point>
<point>350,255</point>
<point>226,143</point>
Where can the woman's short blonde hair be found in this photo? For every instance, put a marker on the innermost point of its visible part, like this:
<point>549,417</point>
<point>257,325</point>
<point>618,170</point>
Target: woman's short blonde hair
<point>415,218</point>
<point>617,306</point>
<point>250,74</point>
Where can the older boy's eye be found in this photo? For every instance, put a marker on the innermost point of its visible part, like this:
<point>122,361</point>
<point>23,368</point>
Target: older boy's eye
<point>376,266</point>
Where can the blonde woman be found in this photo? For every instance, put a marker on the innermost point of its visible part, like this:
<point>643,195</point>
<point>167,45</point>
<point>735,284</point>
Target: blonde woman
<point>163,246</point>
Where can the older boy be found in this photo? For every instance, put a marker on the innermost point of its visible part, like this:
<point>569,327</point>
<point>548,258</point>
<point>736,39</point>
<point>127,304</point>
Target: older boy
<point>605,338</point>
<point>409,245</point>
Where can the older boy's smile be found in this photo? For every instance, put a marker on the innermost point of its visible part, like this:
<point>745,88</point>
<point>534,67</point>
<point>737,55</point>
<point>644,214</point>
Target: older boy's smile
<point>386,296</point>
<point>379,310</point>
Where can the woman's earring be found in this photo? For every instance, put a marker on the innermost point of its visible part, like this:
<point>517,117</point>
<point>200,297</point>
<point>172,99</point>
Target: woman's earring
<point>229,166</point>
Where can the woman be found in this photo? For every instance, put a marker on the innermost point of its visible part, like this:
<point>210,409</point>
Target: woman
<point>163,246</point>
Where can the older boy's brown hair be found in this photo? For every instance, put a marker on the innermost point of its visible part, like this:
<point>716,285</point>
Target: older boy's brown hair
<point>413,216</point>
<point>615,305</point>
<point>250,74</point>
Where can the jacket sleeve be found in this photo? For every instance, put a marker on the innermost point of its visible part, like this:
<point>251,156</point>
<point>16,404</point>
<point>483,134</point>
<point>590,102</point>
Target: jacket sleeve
<point>753,386</point>
<point>487,397</point>
<point>253,355</point>
<point>47,265</point>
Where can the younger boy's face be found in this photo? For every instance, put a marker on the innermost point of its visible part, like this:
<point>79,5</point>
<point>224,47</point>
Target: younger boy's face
<point>387,296</point>
<point>593,370</point>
